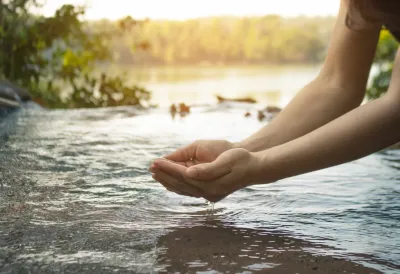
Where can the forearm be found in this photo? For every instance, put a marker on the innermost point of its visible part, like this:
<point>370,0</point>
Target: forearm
<point>316,104</point>
<point>339,88</point>
<point>363,131</point>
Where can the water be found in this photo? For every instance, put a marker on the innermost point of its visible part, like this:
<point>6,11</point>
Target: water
<point>76,197</point>
<point>274,85</point>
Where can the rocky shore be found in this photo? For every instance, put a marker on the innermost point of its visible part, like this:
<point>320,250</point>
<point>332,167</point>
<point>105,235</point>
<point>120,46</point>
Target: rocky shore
<point>11,96</point>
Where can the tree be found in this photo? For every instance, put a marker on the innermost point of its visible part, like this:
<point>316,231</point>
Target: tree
<point>45,54</point>
<point>384,59</point>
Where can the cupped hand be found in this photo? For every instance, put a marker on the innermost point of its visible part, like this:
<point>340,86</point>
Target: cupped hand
<point>232,170</point>
<point>198,152</point>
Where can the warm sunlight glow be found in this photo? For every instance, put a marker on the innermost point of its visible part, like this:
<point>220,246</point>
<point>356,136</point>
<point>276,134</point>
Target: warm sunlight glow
<point>183,9</point>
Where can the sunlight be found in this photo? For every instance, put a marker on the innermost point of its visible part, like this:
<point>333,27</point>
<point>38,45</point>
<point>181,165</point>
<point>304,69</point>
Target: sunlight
<point>182,9</point>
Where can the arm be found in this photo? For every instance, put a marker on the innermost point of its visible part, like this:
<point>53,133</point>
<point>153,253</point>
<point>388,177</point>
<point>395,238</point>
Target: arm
<point>356,134</point>
<point>365,130</point>
<point>339,88</point>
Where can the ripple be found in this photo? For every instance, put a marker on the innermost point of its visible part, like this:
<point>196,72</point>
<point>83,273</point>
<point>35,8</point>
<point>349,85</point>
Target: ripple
<point>75,194</point>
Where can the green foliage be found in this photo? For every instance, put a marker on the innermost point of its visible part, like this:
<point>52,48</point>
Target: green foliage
<point>108,91</point>
<point>47,54</point>
<point>229,40</point>
<point>385,55</point>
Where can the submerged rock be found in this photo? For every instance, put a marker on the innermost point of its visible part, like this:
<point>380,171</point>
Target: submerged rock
<point>182,109</point>
<point>268,113</point>
<point>272,109</point>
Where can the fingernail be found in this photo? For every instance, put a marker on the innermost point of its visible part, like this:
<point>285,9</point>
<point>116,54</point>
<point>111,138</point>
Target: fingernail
<point>192,172</point>
<point>156,162</point>
<point>165,159</point>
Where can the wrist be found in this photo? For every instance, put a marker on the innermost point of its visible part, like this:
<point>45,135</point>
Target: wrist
<point>257,144</point>
<point>250,146</point>
<point>265,170</point>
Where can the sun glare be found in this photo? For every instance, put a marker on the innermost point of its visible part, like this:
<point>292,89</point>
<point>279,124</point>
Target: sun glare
<point>183,9</point>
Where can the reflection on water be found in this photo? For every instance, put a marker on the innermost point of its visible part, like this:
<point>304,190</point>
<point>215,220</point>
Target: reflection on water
<point>274,85</point>
<point>76,197</point>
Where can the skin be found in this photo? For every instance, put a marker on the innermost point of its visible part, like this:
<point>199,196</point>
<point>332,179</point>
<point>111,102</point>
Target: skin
<point>304,137</point>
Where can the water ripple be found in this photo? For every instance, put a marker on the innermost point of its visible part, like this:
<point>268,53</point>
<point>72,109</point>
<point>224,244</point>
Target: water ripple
<point>76,196</point>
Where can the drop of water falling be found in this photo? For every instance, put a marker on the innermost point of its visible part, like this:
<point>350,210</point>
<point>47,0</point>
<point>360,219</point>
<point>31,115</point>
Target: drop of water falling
<point>211,206</point>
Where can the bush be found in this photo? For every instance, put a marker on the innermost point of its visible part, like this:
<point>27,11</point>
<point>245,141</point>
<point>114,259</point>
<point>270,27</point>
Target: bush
<point>47,54</point>
<point>384,59</point>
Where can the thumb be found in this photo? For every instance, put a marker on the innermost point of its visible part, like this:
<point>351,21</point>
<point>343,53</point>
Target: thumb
<point>209,171</point>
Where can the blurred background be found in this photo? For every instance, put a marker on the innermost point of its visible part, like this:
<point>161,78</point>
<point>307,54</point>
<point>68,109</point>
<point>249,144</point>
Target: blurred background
<point>97,53</point>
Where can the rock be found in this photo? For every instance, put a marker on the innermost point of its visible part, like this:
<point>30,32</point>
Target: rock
<point>260,115</point>
<point>240,100</point>
<point>173,109</point>
<point>268,113</point>
<point>11,97</point>
<point>22,93</point>
<point>183,108</point>
<point>8,97</point>
<point>273,109</point>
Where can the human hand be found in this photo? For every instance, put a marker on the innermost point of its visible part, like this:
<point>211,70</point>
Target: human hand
<point>234,169</point>
<point>199,152</point>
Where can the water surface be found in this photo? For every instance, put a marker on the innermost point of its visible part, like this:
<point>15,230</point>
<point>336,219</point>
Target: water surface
<point>76,197</point>
<point>274,85</point>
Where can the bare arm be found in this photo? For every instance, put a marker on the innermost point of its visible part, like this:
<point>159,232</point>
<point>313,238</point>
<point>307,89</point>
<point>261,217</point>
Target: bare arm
<point>365,130</point>
<point>338,89</point>
<point>362,131</point>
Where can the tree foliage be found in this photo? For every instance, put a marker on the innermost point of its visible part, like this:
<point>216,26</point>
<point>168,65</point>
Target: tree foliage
<point>46,54</point>
<point>227,40</point>
<point>384,59</point>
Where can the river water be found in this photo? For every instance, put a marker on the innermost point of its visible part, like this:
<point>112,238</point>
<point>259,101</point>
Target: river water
<point>76,197</point>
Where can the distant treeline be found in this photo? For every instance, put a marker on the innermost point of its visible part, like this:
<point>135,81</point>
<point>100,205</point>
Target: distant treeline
<point>268,39</point>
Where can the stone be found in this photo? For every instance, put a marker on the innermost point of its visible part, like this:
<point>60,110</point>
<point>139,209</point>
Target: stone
<point>22,93</point>
<point>8,97</point>
<point>240,100</point>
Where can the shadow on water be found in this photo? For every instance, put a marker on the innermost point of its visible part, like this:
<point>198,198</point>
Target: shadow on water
<point>83,247</point>
<point>223,249</point>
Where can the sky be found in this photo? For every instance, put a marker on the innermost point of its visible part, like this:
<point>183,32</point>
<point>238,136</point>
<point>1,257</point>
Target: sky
<point>185,9</point>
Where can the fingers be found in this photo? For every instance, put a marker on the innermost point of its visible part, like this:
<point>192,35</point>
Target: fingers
<point>214,185</point>
<point>176,172</point>
<point>209,171</point>
<point>183,154</point>
<point>171,168</point>
<point>170,187</point>
<point>178,185</point>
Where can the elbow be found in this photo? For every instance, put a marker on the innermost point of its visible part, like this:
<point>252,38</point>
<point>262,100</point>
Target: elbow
<point>393,98</point>
<point>393,104</point>
<point>395,108</point>
<point>350,93</point>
